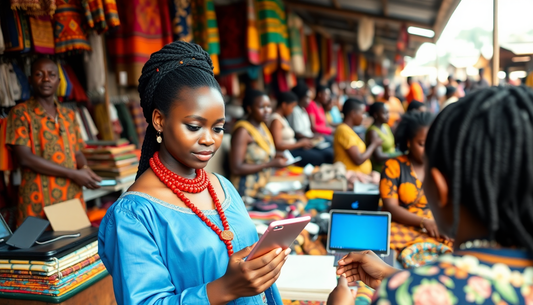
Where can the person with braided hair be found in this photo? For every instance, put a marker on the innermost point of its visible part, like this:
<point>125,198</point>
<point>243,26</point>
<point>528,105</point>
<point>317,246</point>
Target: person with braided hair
<point>180,235</point>
<point>479,172</point>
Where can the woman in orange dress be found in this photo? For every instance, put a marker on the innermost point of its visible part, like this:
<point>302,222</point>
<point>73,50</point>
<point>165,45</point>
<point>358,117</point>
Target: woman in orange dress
<point>414,233</point>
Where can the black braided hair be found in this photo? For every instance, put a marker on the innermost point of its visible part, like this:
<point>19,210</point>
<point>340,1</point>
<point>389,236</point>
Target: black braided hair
<point>409,127</point>
<point>249,98</point>
<point>176,66</point>
<point>483,145</point>
<point>375,108</point>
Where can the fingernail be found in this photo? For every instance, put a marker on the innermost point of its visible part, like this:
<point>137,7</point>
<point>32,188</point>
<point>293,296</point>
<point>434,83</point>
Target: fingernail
<point>286,257</point>
<point>278,251</point>
<point>344,274</point>
<point>341,261</point>
<point>288,251</point>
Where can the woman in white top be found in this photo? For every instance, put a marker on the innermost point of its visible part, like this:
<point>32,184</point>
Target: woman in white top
<point>284,135</point>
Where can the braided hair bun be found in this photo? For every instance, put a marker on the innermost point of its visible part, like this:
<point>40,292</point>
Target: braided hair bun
<point>176,66</point>
<point>483,145</point>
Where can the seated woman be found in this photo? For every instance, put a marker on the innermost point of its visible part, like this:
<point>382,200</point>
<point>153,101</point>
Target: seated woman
<point>380,129</point>
<point>333,114</point>
<point>478,178</point>
<point>349,148</point>
<point>253,154</point>
<point>402,194</point>
<point>299,119</point>
<point>316,112</point>
<point>284,138</point>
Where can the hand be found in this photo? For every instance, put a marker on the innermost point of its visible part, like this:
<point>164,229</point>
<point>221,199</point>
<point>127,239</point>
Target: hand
<point>342,294</point>
<point>86,177</point>
<point>277,163</point>
<point>249,278</point>
<point>306,143</point>
<point>364,266</point>
<point>377,141</point>
<point>431,227</point>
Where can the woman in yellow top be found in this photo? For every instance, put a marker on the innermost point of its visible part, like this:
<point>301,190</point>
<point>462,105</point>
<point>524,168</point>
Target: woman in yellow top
<point>379,129</point>
<point>349,148</point>
<point>253,153</point>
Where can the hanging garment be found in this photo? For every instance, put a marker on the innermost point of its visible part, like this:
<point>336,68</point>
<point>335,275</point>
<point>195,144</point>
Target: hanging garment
<point>354,75</point>
<point>101,116</point>
<point>341,72</point>
<point>42,34</point>
<point>26,35</point>
<point>272,26</point>
<point>313,59</point>
<point>69,33</point>
<point>128,127</point>
<point>233,52</point>
<point>326,57</point>
<point>365,35</point>
<point>25,93</point>
<point>111,13</point>
<point>87,117</point>
<point>252,34</point>
<point>2,43</point>
<point>35,7</point>
<point>11,28</point>
<point>78,93</point>
<point>205,29</point>
<point>139,121</point>
<point>295,26</point>
<point>62,87</point>
<point>68,90</point>
<point>139,35</point>
<point>6,159</point>
<point>10,90</point>
<point>181,20</point>
<point>94,64</point>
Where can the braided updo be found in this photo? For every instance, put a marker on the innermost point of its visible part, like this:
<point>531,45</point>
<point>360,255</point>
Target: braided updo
<point>165,74</point>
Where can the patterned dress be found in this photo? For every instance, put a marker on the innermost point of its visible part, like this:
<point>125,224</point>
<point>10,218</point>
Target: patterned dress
<point>29,125</point>
<point>399,181</point>
<point>475,276</point>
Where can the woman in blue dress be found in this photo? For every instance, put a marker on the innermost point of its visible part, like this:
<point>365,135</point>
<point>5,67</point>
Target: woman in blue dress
<point>171,238</point>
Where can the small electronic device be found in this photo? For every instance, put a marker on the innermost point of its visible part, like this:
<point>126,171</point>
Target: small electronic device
<point>28,232</point>
<point>280,234</point>
<point>107,182</point>
<point>5,231</point>
<point>358,231</point>
<point>353,201</point>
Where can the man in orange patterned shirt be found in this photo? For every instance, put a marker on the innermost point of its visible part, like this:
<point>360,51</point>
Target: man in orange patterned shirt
<point>46,141</point>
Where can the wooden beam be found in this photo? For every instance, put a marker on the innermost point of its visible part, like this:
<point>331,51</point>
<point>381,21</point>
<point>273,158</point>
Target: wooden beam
<point>385,7</point>
<point>320,9</point>
<point>335,4</point>
<point>447,7</point>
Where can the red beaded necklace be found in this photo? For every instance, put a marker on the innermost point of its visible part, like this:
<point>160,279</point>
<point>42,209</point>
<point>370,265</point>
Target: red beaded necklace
<point>179,184</point>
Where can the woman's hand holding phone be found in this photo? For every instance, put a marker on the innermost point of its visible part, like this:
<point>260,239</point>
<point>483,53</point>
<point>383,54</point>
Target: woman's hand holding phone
<point>247,278</point>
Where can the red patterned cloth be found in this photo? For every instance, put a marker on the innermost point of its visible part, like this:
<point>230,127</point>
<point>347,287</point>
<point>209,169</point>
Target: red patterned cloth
<point>68,27</point>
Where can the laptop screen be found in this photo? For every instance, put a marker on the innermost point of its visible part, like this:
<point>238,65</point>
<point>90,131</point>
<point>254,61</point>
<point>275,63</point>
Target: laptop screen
<point>351,231</point>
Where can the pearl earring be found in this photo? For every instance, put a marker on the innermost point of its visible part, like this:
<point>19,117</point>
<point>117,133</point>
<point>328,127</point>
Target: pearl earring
<point>159,138</point>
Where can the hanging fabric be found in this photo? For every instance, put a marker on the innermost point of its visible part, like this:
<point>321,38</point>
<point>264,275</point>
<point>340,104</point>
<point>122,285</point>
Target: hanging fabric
<point>2,43</point>
<point>181,19</point>
<point>62,87</point>
<point>341,72</point>
<point>272,26</point>
<point>111,13</point>
<point>363,64</point>
<point>69,34</point>
<point>10,90</point>
<point>354,60</point>
<point>26,35</point>
<point>139,121</point>
<point>233,51</point>
<point>101,14</point>
<point>25,92</point>
<point>103,122</point>
<point>326,56</point>
<point>12,28</point>
<point>295,26</point>
<point>77,93</point>
<point>42,34</point>
<point>139,35</point>
<point>35,7</point>
<point>365,35</point>
<point>205,30</point>
<point>252,34</point>
<point>313,59</point>
<point>94,65</point>
<point>6,159</point>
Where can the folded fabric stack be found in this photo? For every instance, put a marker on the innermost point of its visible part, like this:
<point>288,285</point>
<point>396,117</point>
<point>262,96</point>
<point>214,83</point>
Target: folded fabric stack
<point>52,278</point>
<point>119,161</point>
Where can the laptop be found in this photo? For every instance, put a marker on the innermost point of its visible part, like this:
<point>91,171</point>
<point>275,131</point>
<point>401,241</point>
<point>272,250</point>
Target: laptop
<point>358,231</point>
<point>353,201</point>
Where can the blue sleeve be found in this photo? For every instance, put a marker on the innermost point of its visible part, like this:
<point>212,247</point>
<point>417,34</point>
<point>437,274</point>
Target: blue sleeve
<point>132,257</point>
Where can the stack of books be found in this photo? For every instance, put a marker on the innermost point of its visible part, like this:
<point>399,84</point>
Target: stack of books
<point>119,161</point>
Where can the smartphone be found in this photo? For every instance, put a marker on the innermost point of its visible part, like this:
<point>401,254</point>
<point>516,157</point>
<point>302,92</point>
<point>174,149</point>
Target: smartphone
<point>28,232</point>
<point>107,182</point>
<point>280,234</point>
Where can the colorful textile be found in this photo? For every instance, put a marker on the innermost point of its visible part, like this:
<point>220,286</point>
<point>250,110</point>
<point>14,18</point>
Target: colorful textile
<point>295,26</point>
<point>6,159</point>
<point>345,138</point>
<point>480,276</point>
<point>95,16</point>
<point>252,34</point>
<point>101,115</point>
<point>319,194</point>
<point>139,121</point>
<point>143,31</point>
<point>354,66</point>
<point>272,26</point>
<point>42,34</point>
<point>260,151</point>
<point>10,90</point>
<point>11,28</point>
<point>182,20</point>
<point>69,33</point>
<point>399,181</point>
<point>420,254</point>
<point>35,7</point>
<point>388,146</point>
<point>233,51</point>
<point>68,89</point>
<point>205,30</point>
<point>77,94</point>
<point>128,127</point>
<point>326,57</point>
<point>313,60</point>
<point>29,125</point>
<point>318,116</point>
<point>94,65</point>
<point>26,35</point>
<point>25,93</point>
<point>111,13</point>
<point>62,87</point>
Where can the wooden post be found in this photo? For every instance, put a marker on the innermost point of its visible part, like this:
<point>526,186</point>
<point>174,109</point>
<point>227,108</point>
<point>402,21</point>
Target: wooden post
<point>496,47</point>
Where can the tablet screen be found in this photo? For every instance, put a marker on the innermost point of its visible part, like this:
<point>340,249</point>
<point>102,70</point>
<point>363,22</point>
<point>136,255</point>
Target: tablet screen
<point>359,232</point>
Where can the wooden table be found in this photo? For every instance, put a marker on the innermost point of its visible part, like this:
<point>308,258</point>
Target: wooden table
<point>99,293</point>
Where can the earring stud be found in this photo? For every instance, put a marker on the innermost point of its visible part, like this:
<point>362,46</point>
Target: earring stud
<point>159,138</point>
